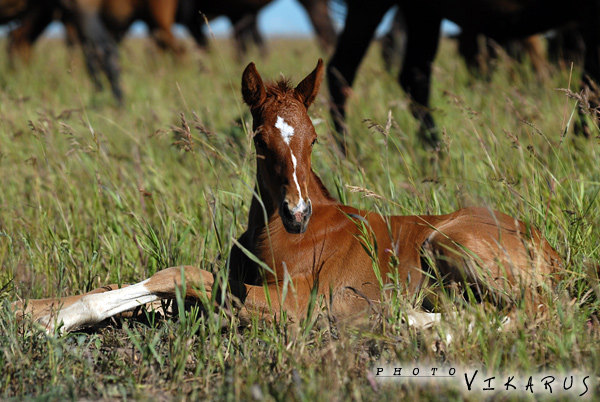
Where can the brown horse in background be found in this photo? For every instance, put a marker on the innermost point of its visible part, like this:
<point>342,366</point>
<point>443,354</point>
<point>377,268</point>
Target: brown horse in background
<point>301,242</point>
<point>499,19</point>
<point>99,24</point>
<point>118,15</point>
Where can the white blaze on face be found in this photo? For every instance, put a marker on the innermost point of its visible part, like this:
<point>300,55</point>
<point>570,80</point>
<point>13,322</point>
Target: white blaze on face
<point>287,132</point>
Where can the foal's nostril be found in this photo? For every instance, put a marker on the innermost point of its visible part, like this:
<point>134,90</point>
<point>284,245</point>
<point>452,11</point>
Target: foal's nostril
<point>287,211</point>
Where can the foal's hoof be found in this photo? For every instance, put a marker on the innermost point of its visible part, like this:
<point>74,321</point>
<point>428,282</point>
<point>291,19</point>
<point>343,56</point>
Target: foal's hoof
<point>27,311</point>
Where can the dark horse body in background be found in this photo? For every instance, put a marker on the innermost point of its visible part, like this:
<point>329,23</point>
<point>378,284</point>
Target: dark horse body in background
<point>10,9</point>
<point>100,24</point>
<point>14,9</point>
<point>27,12</point>
<point>498,19</point>
<point>477,50</point>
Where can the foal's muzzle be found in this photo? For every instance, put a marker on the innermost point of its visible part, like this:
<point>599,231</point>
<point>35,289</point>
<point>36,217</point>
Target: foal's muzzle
<point>295,218</point>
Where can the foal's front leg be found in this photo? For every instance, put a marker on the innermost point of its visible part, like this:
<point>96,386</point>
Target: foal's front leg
<point>84,310</point>
<point>266,301</point>
<point>345,309</point>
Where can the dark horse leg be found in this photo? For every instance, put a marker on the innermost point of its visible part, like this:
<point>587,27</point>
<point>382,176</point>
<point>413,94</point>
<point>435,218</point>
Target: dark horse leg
<point>245,32</point>
<point>188,15</point>
<point>161,16</point>
<point>318,12</point>
<point>393,43</point>
<point>361,21</point>
<point>257,37</point>
<point>415,77</point>
<point>195,28</point>
<point>99,48</point>
<point>591,75</point>
<point>468,48</point>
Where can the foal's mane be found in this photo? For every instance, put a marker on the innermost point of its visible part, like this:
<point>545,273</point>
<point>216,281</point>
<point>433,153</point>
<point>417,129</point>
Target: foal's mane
<point>280,89</point>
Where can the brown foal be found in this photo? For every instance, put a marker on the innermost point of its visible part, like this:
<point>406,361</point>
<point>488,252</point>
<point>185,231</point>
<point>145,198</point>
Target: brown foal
<point>312,243</point>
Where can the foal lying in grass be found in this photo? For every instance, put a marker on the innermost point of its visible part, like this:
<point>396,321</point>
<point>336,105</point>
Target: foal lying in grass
<point>313,244</point>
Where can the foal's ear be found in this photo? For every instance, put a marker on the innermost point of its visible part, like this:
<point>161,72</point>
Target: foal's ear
<point>253,89</point>
<point>308,89</point>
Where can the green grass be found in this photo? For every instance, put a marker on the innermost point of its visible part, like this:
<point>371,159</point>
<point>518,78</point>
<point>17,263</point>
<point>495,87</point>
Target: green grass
<point>93,194</point>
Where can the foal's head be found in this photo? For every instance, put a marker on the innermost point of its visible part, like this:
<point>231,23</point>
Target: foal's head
<point>283,138</point>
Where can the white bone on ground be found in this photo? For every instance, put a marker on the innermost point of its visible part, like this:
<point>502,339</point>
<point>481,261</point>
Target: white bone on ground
<point>97,307</point>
